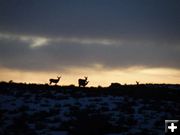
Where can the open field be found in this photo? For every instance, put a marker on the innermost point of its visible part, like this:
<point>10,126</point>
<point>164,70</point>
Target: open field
<point>33,109</point>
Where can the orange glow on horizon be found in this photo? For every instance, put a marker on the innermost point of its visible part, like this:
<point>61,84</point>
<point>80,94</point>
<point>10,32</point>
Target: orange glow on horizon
<point>97,77</point>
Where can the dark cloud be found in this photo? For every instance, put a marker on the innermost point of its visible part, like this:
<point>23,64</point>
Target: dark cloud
<point>154,19</point>
<point>62,56</point>
<point>149,30</point>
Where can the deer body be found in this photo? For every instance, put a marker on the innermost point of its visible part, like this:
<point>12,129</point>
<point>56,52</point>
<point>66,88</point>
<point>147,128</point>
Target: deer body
<point>83,82</point>
<point>54,80</point>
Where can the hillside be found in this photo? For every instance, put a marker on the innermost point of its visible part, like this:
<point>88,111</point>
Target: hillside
<point>36,109</point>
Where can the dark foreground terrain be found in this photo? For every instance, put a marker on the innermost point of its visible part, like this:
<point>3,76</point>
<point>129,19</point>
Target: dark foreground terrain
<point>31,109</point>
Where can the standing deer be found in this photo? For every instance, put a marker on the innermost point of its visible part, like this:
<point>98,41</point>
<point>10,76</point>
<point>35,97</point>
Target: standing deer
<point>54,80</point>
<point>137,83</point>
<point>83,82</point>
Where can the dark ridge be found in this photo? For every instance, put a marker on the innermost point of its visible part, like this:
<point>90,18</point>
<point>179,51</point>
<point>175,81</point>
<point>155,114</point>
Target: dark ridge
<point>152,91</point>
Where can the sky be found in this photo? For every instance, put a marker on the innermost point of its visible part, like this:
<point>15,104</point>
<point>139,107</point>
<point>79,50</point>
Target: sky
<point>107,40</point>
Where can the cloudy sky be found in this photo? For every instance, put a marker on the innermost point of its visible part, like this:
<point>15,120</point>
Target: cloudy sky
<point>107,40</point>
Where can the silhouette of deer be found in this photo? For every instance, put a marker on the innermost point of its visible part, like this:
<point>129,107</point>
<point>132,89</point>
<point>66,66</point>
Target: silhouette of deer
<point>83,82</point>
<point>137,83</point>
<point>54,80</point>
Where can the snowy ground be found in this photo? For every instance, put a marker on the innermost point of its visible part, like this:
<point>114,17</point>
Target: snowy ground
<point>65,111</point>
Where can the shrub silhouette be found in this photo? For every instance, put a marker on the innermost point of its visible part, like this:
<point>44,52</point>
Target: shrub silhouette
<point>115,85</point>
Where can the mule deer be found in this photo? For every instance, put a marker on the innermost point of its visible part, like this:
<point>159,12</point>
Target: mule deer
<point>83,82</point>
<point>137,83</point>
<point>54,80</point>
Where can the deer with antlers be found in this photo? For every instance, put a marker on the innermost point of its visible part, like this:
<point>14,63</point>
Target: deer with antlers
<point>54,80</point>
<point>137,83</point>
<point>83,82</point>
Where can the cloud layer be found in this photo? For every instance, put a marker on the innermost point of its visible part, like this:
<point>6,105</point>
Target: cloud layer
<point>61,54</point>
<point>50,35</point>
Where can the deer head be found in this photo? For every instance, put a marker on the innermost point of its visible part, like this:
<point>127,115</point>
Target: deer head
<point>85,78</point>
<point>137,82</point>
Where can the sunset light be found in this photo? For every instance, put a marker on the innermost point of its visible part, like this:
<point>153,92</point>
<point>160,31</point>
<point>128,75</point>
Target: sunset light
<point>89,67</point>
